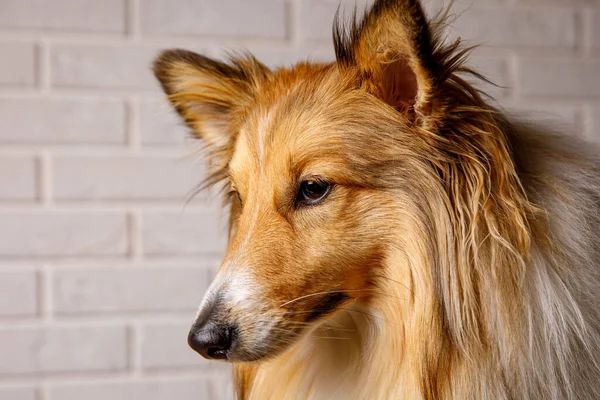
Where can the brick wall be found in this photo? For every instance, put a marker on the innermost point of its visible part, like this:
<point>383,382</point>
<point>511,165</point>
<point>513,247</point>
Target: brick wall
<point>102,260</point>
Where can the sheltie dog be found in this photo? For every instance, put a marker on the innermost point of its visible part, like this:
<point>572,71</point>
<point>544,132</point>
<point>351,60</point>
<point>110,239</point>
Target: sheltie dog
<point>391,234</point>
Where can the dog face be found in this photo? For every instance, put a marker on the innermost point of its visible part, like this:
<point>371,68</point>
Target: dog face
<point>318,160</point>
<point>304,224</point>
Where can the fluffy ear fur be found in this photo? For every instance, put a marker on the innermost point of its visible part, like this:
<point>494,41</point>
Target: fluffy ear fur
<point>209,95</point>
<point>393,50</point>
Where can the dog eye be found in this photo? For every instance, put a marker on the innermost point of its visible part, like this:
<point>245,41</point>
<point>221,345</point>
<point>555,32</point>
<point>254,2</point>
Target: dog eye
<point>234,194</point>
<point>312,192</point>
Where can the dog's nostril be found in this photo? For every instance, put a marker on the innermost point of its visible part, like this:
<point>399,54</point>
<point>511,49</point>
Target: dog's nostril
<point>217,353</point>
<point>211,341</point>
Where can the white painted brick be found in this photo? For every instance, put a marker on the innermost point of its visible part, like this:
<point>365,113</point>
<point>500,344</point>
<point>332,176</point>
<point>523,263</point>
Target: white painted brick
<point>315,17</point>
<point>144,177</point>
<point>18,63</point>
<point>99,66</point>
<point>17,178</point>
<point>187,232</point>
<point>36,234</point>
<point>62,349</point>
<point>45,121</point>
<point>518,27</point>
<point>63,15</point>
<point>149,389</point>
<point>164,345</point>
<point>18,393</point>
<point>135,289</point>
<point>256,18</point>
<point>160,124</point>
<point>559,77</point>
<point>274,57</point>
<point>19,293</point>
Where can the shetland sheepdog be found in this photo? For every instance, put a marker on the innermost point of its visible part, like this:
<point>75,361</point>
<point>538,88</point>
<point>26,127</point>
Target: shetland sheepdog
<point>392,235</point>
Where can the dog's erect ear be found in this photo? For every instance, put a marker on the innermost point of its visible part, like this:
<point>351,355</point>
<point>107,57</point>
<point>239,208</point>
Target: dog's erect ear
<point>207,93</point>
<point>393,50</point>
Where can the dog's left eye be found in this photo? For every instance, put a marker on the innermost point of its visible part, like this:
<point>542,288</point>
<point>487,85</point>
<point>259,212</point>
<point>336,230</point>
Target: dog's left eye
<point>312,192</point>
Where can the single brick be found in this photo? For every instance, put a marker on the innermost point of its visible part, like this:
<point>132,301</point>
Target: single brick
<point>18,393</point>
<point>103,66</point>
<point>45,121</point>
<point>126,178</point>
<point>558,77</point>
<point>188,232</point>
<point>63,15</point>
<point>198,388</point>
<point>517,27</point>
<point>131,289</point>
<point>18,63</point>
<point>17,178</point>
<point>37,233</point>
<point>241,18</point>
<point>72,348</point>
<point>19,293</point>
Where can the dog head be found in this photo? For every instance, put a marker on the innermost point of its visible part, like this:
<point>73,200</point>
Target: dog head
<point>323,165</point>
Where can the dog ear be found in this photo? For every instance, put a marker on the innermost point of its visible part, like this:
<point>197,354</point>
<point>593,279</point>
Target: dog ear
<point>393,50</point>
<point>208,93</point>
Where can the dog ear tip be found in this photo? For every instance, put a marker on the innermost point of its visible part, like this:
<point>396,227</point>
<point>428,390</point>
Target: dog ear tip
<point>166,60</point>
<point>162,61</point>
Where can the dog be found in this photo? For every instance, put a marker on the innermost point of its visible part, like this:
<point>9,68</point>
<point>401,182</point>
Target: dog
<point>391,234</point>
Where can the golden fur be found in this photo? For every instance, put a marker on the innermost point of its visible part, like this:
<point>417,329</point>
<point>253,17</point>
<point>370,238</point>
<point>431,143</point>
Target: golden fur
<point>456,256</point>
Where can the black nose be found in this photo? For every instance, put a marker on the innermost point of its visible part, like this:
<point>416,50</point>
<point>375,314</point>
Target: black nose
<point>210,340</point>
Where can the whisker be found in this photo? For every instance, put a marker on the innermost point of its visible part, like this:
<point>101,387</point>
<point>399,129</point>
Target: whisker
<point>340,291</point>
<point>317,294</point>
<point>331,337</point>
<point>341,308</point>
<point>341,327</point>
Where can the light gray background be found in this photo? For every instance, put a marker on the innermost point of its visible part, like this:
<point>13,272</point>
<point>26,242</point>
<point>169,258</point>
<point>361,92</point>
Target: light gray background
<point>101,263</point>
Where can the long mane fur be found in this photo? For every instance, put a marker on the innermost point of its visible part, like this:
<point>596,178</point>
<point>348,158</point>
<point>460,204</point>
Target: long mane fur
<point>503,252</point>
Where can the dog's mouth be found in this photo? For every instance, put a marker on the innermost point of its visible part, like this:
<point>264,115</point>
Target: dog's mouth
<point>256,336</point>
